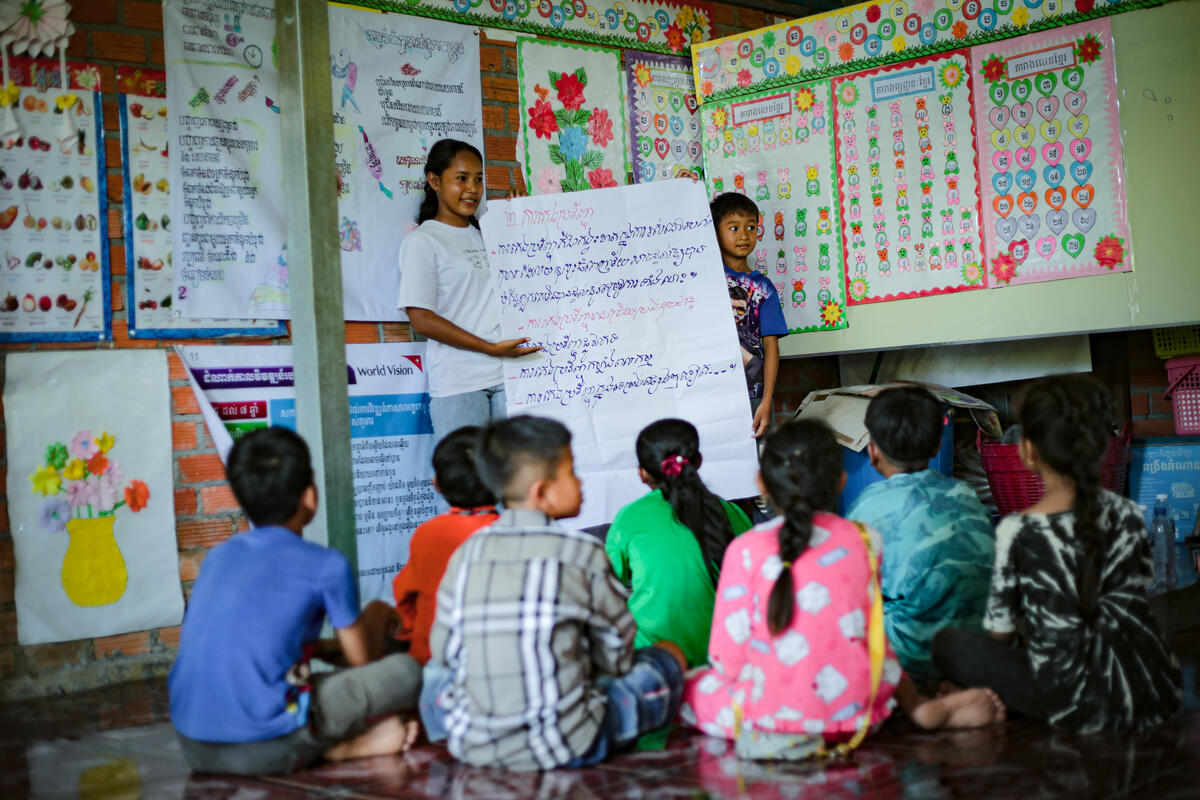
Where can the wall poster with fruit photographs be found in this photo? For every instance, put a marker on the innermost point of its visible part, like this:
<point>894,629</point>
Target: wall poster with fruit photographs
<point>776,148</point>
<point>53,216</point>
<point>149,267</point>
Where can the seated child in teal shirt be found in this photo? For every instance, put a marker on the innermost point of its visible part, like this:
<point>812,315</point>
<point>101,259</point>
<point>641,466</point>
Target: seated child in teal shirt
<point>668,545</point>
<point>938,542</point>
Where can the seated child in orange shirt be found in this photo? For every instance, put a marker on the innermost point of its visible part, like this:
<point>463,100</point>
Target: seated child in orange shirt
<point>472,506</point>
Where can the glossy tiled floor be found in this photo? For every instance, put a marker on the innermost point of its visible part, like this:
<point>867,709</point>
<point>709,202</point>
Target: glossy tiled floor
<point>117,743</point>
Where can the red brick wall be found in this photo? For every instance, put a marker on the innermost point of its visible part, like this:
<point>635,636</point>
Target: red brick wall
<point>1150,410</point>
<point>129,32</point>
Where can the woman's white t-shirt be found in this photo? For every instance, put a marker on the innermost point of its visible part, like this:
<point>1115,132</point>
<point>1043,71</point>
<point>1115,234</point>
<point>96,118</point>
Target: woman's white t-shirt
<point>445,269</point>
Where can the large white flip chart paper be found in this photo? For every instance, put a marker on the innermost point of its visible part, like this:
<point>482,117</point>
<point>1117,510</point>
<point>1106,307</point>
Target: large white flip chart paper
<point>625,291</point>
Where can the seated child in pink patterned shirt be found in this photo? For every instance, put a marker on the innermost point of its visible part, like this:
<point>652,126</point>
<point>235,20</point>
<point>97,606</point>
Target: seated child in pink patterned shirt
<point>790,663</point>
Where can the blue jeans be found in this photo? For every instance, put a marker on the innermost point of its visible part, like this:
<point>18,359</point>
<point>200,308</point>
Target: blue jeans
<point>642,700</point>
<point>454,411</point>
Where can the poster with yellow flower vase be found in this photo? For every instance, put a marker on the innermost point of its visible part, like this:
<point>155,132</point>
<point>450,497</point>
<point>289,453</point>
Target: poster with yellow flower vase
<point>90,497</point>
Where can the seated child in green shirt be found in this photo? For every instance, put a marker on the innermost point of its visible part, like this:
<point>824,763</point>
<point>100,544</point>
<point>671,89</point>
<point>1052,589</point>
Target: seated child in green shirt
<point>668,545</point>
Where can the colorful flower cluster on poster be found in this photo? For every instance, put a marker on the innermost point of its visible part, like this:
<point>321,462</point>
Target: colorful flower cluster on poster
<point>664,124</point>
<point>777,149</point>
<point>89,493</point>
<point>149,266</point>
<point>574,130</point>
<point>907,180</point>
<point>874,33</point>
<point>664,26</point>
<point>1050,163</point>
<point>53,217</point>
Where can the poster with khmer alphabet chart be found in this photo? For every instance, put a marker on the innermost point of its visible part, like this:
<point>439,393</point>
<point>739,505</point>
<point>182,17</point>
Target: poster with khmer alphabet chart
<point>241,389</point>
<point>226,168</point>
<point>624,290</point>
<point>1050,160</point>
<point>399,84</point>
<point>663,119</point>
<point>776,148</point>
<point>149,263</point>
<point>907,180</point>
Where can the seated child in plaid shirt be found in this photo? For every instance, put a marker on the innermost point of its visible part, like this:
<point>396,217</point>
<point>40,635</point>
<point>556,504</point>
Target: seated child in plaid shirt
<point>532,662</point>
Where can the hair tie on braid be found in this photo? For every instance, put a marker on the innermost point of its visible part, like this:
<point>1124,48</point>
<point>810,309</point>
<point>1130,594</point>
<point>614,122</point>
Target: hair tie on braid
<point>672,466</point>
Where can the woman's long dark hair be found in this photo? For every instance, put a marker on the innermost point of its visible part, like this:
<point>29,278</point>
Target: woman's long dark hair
<point>441,155</point>
<point>1067,419</point>
<point>801,467</point>
<point>669,450</point>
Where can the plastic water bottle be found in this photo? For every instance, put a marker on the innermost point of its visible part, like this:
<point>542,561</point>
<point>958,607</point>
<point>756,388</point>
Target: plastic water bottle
<point>1162,540</point>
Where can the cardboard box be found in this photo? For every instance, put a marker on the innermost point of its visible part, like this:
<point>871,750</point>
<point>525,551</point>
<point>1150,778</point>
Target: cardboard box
<point>1168,465</point>
<point>845,410</point>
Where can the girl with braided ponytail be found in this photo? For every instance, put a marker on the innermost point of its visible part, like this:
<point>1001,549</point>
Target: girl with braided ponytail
<point>1070,581</point>
<point>667,546</point>
<point>798,653</point>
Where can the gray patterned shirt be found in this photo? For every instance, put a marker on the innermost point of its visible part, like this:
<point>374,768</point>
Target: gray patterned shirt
<point>529,615</point>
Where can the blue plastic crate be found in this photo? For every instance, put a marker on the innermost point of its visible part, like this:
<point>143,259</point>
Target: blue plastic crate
<point>860,474</point>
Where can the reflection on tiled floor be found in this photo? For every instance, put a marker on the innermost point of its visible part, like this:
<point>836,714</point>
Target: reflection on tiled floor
<point>117,744</point>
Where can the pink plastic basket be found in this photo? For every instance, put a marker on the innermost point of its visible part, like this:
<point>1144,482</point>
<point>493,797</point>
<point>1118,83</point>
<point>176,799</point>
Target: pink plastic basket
<point>1015,488</point>
<point>1183,375</point>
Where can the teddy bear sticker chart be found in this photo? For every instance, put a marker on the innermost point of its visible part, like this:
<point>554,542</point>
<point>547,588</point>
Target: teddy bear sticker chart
<point>1051,166</point>
<point>52,205</point>
<point>907,180</point>
<point>776,148</point>
<point>664,123</point>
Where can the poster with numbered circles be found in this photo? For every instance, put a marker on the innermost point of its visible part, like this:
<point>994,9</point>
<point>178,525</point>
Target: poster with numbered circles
<point>149,266</point>
<point>53,209</point>
<point>777,149</point>
<point>907,180</point>
<point>664,123</point>
<point>1051,167</point>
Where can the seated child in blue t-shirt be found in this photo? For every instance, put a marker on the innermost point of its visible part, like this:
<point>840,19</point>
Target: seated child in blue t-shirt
<point>938,544</point>
<point>756,308</point>
<point>242,699</point>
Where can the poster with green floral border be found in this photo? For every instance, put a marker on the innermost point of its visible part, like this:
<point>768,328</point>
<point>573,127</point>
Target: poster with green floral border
<point>776,148</point>
<point>574,131</point>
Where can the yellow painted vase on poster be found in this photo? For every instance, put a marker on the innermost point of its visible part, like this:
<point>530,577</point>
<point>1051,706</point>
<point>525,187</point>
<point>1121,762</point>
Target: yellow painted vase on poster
<point>93,569</point>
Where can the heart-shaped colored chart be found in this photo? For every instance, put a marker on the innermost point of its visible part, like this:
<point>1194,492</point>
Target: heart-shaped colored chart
<point>1081,171</point>
<point>1052,153</point>
<point>1081,149</point>
<point>1021,89</point>
<point>1073,244</point>
<point>1051,130</point>
<point>1057,220</point>
<point>1023,135</point>
<point>1054,174</point>
<point>1075,101</point>
<point>1022,113</point>
<point>1047,107</point>
<point>998,116</point>
<point>1046,246</point>
<point>1072,77</point>
<point>1046,83</point>
<point>1083,195</point>
<point>1026,156</point>
<point>1056,198</point>
<point>1078,126</point>
<point>662,147</point>
<point>1003,205</point>
<point>1002,182</point>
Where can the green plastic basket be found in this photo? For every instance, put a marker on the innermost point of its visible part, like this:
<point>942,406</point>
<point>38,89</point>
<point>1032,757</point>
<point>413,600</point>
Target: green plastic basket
<point>1180,341</point>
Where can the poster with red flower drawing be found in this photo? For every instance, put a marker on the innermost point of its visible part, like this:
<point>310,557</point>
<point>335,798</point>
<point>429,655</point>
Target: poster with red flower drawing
<point>907,180</point>
<point>664,121</point>
<point>574,132</point>
<point>1050,161</point>
<point>90,498</point>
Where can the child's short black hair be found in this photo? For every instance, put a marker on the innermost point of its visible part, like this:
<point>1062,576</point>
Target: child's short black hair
<point>269,470</point>
<point>454,467</point>
<point>905,422</point>
<point>731,203</point>
<point>509,447</point>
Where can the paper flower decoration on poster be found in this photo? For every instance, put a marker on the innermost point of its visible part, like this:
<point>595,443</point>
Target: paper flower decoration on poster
<point>39,27</point>
<point>575,134</point>
<point>83,487</point>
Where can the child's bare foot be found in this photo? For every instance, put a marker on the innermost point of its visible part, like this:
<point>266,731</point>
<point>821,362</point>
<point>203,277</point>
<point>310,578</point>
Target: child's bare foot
<point>971,708</point>
<point>391,735</point>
